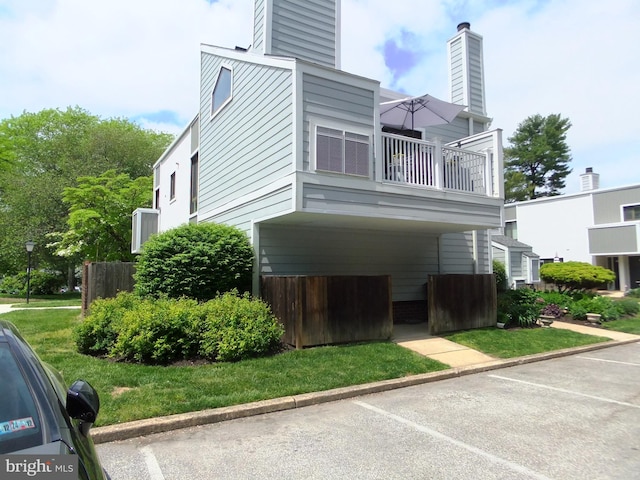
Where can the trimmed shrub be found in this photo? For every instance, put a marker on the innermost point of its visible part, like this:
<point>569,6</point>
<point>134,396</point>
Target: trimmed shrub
<point>165,330</point>
<point>569,276</point>
<point>98,332</point>
<point>238,327</point>
<point>159,331</point>
<point>500,271</point>
<point>196,261</point>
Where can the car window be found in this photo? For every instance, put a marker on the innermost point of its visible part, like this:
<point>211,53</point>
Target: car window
<point>19,419</point>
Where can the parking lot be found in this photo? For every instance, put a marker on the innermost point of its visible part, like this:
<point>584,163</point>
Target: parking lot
<point>571,417</point>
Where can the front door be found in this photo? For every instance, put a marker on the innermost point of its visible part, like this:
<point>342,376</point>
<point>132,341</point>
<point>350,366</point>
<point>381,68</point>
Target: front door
<point>634,271</point>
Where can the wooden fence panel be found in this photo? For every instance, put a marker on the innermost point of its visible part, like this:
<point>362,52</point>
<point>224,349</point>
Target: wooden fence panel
<point>461,302</point>
<point>322,310</point>
<point>105,280</point>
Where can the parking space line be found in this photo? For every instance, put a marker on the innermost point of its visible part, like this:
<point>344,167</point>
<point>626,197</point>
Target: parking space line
<point>440,436</point>
<point>570,392</point>
<point>610,361</point>
<point>155,473</point>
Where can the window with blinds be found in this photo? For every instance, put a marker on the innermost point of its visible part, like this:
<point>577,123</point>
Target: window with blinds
<point>341,151</point>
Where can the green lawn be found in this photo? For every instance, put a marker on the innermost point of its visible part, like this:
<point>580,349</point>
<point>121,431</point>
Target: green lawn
<point>520,342</point>
<point>627,325</point>
<point>39,301</point>
<point>131,392</point>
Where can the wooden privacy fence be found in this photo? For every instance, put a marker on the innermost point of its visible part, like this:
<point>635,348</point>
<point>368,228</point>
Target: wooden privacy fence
<point>105,280</point>
<point>461,302</point>
<point>322,310</point>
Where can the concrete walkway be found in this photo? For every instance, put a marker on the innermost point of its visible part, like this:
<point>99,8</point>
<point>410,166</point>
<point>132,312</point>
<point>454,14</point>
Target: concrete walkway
<point>415,337</point>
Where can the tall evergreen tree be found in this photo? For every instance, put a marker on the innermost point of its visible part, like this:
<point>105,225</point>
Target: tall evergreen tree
<point>537,162</point>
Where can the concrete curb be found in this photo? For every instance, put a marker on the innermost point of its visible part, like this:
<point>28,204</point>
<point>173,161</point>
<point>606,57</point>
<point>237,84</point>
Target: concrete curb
<point>150,426</point>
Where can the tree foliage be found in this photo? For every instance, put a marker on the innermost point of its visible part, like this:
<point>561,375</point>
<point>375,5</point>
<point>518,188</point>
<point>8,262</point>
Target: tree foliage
<point>571,276</point>
<point>196,261</point>
<point>100,216</point>
<point>43,153</point>
<point>536,163</point>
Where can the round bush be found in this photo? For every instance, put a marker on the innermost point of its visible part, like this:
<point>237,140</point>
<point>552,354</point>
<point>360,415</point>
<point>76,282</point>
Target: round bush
<point>159,331</point>
<point>238,327</point>
<point>98,332</point>
<point>195,261</point>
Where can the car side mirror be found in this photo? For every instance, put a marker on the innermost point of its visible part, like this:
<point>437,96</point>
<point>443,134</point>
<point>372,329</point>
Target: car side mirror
<point>83,404</point>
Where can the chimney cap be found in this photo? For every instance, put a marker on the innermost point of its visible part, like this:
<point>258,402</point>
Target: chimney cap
<point>589,170</point>
<point>464,25</point>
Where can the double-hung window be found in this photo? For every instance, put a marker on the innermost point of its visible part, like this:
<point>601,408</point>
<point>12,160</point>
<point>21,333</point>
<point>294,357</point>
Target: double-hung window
<point>342,151</point>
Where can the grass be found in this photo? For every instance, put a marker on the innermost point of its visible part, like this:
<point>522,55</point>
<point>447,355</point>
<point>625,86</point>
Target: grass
<point>517,343</point>
<point>39,301</point>
<point>131,392</point>
<point>627,325</point>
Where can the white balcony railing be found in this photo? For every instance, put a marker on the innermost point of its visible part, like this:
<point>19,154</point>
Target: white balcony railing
<point>420,163</point>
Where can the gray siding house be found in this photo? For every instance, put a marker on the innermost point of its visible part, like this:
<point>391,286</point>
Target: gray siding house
<point>291,149</point>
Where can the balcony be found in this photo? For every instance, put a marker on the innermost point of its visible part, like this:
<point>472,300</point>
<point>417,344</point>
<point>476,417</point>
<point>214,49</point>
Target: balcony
<point>423,164</point>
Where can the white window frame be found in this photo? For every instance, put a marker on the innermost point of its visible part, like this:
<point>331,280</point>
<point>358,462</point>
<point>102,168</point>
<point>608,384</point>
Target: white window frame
<point>345,128</point>
<point>213,90</point>
<point>622,207</point>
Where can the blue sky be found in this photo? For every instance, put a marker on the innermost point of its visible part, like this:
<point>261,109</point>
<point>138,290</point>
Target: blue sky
<point>140,59</point>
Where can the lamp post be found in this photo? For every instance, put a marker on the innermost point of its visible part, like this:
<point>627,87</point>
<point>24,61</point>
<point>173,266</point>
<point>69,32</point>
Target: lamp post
<point>29,246</point>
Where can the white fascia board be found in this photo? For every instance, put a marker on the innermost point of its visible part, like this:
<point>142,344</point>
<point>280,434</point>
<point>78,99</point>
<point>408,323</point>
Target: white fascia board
<point>175,142</point>
<point>286,63</point>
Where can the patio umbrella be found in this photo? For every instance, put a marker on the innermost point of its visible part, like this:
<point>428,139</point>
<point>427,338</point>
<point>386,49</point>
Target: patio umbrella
<point>418,112</point>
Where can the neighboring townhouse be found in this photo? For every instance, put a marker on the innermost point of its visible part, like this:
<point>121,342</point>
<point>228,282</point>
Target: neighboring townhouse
<point>521,264</point>
<point>291,149</point>
<point>598,226</point>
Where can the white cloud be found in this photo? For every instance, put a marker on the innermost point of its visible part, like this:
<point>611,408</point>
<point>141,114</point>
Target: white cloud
<point>127,58</point>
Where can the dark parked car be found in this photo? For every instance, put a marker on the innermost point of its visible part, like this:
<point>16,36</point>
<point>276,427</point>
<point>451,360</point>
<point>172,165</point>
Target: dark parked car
<point>38,416</point>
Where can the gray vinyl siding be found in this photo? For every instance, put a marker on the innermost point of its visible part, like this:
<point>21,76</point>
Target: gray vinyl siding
<point>408,258</point>
<point>476,88</point>
<point>623,239</point>
<point>330,100</point>
<point>484,247</point>
<point>606,205</point>
<point>456,253</point>
<point>305,30</point>
<point>258,26</point>
<point>450,132</point>
<point>269,205</point>
<point>370,202</point>
<point>248,144</point>
<point>457,72</point>
<point>499,255</point>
